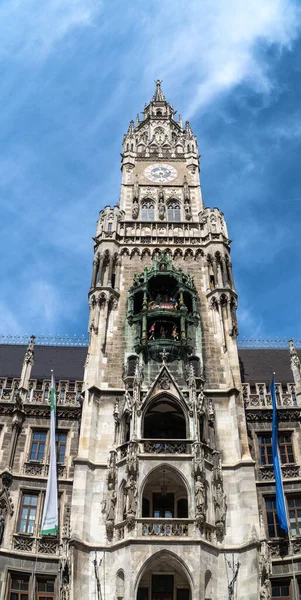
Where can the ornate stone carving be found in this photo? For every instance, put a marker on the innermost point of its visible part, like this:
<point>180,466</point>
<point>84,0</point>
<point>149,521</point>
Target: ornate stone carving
<point>132,459</point>
<point>220,509</point>
<point>47,546</point>
<point>198,459</point>
<point>131,499</point>
<point>200,500</point>
<point>110,510</point>
<point>164,382</point>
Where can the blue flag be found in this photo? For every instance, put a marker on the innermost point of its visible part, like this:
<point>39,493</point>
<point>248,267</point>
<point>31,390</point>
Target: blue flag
<point>280,501</point>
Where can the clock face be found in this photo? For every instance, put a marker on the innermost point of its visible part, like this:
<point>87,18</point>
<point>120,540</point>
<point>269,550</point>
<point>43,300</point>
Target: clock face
<point>160,173</point>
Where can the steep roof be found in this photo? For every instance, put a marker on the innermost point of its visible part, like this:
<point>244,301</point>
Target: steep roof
<point>67,362</point>
<point>258,364</point>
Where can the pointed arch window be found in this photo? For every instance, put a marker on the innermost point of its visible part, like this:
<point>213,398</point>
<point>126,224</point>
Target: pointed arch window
<point>148,211</point>
<point>174,211</point>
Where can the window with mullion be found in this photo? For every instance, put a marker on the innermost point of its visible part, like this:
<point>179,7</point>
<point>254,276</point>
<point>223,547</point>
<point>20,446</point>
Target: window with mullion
<point>28,513</point>
<point>281,590</point>
<point>45,589</point>
<point>286,448</point>
<point>19,587</point>
<point>38,443</point>
<point>148,211</point>
<point>265,449</point>
<point>61,443</point>
<point>294,511</point>
<point>272,518</point>
<point>174,212</point>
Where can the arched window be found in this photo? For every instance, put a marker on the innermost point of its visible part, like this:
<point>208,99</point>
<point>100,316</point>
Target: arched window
<point>159,113</point>
<point>148,211</point>
<point>174,211</point>
<point>120,585</point>
<point>164,419</point>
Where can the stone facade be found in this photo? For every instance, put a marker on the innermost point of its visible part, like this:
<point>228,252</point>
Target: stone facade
<point>165,485</point>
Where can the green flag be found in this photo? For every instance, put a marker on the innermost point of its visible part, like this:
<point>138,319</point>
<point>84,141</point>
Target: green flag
<point>50,513</point>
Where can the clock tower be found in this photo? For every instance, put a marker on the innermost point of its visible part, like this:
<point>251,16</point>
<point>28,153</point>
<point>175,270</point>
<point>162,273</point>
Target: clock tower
<point>164,502</point>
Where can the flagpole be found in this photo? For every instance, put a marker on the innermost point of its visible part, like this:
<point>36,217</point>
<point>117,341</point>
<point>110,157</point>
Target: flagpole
<point>281,503</point>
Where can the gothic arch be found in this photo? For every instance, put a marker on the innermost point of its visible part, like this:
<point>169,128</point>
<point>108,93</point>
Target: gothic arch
<point>166,467</point>
<point>135,252</point>
<point>145,252</point>
<point>157,557</point>
<point>173,399</point>
<point>188,253</point>
<point>124,252</point>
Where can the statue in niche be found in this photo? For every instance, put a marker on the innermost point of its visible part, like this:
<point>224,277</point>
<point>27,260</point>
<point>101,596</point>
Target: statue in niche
<point>187,209</point>
<point>161,210</point>
<point>131,496</point>
<point>207,420</point>
<point>110,504</point>
<point>220,507</point>
<point>213,223</point>
<point>132,461</point>
<point>198,462</point>
<point>200,497</point>
<point>135,209</point>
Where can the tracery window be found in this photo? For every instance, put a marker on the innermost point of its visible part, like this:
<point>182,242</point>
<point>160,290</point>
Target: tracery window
<point>174,211</point>
<point>148,211</point>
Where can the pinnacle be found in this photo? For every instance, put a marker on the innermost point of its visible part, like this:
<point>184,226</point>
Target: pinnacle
<point>158,95</point>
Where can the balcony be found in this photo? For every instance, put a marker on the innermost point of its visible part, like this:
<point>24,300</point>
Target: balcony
<point>159,446</point>
<point>156,446</point>
<point>165,527</point>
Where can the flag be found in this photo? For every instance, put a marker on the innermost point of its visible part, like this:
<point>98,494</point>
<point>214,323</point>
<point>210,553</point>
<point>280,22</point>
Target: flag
<point>50,513</point>
<point>280,501</point>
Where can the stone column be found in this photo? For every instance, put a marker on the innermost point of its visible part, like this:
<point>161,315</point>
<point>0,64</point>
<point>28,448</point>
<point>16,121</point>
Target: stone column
<point>117,275</point>
<point>110,271</point>
<point>94,272</point>
<point>98,282</point>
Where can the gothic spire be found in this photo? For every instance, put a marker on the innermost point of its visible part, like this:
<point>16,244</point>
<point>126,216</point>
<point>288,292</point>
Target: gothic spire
<point>158,95</point>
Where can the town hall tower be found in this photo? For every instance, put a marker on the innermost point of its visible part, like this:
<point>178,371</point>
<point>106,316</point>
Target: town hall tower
<point>164,497</point>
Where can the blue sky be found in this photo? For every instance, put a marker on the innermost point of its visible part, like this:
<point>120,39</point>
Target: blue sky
<point>74,72</point>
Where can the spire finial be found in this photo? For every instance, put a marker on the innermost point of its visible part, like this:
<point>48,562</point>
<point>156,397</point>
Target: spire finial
<point>158,95</point>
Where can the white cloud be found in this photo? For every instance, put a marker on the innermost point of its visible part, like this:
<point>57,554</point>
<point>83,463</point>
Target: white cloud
<point>30,30</point>
<point>214,45</point>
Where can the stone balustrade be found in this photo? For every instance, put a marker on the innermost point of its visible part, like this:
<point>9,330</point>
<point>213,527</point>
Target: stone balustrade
<point>261,397</point>
<point>165,527</point>
<point>155,446</point>
<point>68,393</point>
<point>41,545</point>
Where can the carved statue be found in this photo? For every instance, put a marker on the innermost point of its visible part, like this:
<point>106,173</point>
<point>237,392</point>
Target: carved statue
<point>198,463</point>
<point>111,502</point>
<point>161,210</point>
<point>200,496</point>
<point>213,223</point>
<point>135,209</point>
<point>220,504</point>
<point>265,591</point>
<point>132,461</point>
<point>187,209</point>
<point>131,496</point>
<point>2,525</point>
<point>206,415</point>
